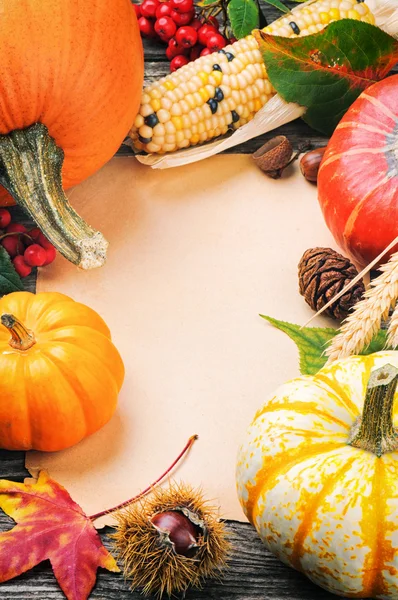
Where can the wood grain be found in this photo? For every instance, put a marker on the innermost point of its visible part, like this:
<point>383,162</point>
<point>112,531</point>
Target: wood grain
<point>253,572</point>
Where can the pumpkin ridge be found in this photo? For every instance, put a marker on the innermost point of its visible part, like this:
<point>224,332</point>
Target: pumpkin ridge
<point>89,314</point>
<point>71,386</point>
<point>350,223</point>
<point>280,465</point>
<point>378,104</point>
<point>303,408</point>
<point>305,526</point>
<point>81,394</point>
<point>339,393</point>
<point>26,377</point>
<point>373,583</point>
<point>95,357</point>
<point>35,313</point>
<point>353,152</point>
<point>51,333</point>
<point>364,126</point>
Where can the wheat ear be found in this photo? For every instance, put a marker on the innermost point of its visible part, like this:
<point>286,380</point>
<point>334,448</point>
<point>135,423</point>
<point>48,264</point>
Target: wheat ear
<point>364,322</point>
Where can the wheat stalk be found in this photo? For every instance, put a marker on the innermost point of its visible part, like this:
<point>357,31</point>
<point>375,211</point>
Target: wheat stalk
<point>364,322</point>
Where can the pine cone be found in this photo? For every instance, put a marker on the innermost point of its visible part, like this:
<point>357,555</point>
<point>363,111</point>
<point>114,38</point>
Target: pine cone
<point>323,273</point>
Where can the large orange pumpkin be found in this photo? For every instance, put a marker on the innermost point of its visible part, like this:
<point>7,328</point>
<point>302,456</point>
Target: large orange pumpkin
<point>358,177</point>
<point>60,374</point>
<point>76,67</point>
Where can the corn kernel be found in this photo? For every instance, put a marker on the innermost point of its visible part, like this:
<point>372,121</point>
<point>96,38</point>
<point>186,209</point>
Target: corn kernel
<point>159,129</point>
<point>176,110</point>
<point>204,94</point>
<point>203,76</point>
<point>180,136</point>
<point>352,14</point>
<point>154,93</point>
<point>324,17</point>
<point>155,103</point>
<point>169,147</point>
<point>145,131</point>
<point>146,110</point>
<point>190,101</point>
<point>334,14</point>
<point>139,120</point>
<point>177,122</point>
<point>169,84</point>
<point>186,121</point>
<point>194,139</point>
<point>217,77</point>
<point>145,98</point>
<point>170,128</point>
<point>158,139</point>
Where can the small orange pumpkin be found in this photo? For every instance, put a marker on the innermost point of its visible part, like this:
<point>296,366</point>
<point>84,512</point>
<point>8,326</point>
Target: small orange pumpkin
<point>70,87</point>
<point>60,374</point>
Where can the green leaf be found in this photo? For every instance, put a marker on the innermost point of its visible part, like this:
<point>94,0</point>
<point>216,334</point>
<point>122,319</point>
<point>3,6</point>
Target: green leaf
<point>378,343</point>
<point>243,16</point>
<point>10,281</point>
<point>313,341</point>
<point>278,4</point>
<point>327,71</point>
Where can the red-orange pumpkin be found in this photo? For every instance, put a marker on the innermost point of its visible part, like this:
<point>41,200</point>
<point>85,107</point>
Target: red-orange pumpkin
<point>76,66</point>
<point>358,177</point>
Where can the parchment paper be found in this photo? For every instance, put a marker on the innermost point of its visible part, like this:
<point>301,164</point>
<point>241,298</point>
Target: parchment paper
<point>196,254</point>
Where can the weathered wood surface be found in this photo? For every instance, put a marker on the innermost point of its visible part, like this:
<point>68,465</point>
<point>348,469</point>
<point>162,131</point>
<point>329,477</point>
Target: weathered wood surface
<point>253,573</point>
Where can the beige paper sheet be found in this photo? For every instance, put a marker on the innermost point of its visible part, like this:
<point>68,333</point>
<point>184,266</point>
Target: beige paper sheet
<point>196,254</point>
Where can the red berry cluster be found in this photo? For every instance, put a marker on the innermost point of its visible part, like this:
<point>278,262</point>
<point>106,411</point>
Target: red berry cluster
<point>27,248</point>
<point>174,22</point>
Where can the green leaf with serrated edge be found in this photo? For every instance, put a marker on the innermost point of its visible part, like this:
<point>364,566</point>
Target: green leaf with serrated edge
<point>10,281</point>
<point>327,71</point>
<point>278,4</point>
<point>243,16</point>
<point>310,341</point>
<point>313,341</point>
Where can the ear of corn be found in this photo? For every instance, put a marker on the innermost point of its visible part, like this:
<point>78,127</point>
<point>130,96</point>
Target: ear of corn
<point>224,90</point>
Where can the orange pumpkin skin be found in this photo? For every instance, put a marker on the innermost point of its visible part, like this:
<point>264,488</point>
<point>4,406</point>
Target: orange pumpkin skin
<point>358,177</point>
<point>64,387</point>
<point>75,66</point>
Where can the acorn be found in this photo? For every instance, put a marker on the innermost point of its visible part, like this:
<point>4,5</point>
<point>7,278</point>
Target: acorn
<point>274,156</point>
<point>170,541</point>
<point>310,163</point>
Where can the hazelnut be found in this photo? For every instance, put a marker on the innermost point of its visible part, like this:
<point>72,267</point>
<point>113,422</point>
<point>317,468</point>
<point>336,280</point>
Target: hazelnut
<point>310,163</point>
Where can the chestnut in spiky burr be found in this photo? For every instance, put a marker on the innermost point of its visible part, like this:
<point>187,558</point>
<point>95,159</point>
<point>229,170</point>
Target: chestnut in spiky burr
<point>170,541</point>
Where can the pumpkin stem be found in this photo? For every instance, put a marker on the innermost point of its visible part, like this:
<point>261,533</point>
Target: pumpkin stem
<point>374,431</point>
<point>187,447</point>
<point>21,337</point>
<point>30,169</point>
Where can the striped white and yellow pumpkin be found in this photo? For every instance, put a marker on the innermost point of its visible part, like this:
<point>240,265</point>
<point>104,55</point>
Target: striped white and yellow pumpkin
<point>322,506</point>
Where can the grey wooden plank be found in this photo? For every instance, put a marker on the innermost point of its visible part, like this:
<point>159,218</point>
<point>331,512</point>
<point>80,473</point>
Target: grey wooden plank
<point>253,574</point>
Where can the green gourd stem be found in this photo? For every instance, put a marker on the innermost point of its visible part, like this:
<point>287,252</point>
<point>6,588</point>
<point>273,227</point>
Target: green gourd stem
<point>30,169</point>
<point>374,431</point>
<point>21,337</point>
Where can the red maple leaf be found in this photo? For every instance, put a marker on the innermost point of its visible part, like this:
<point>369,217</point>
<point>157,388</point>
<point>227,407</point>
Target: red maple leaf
<point>50,525</point>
